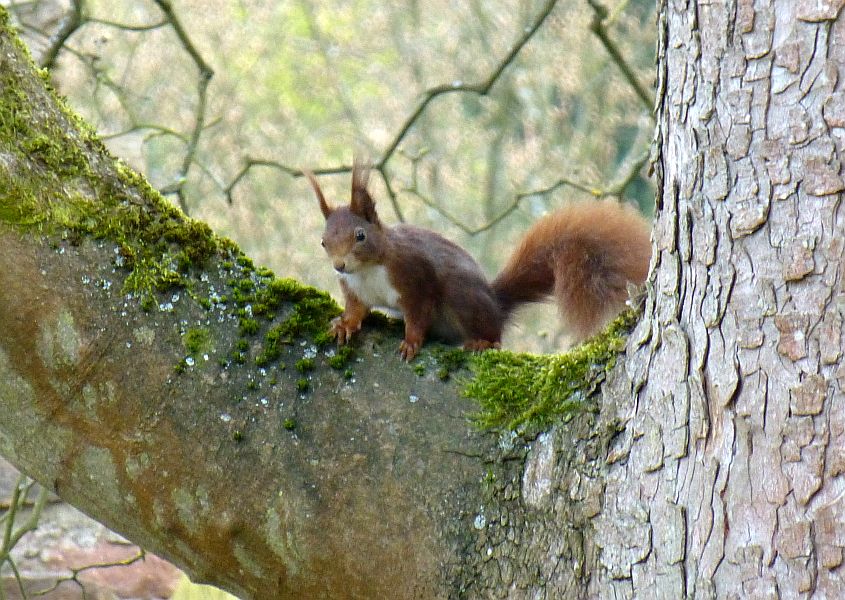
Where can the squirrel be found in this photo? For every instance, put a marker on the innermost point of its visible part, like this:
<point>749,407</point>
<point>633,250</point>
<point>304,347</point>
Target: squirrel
<point>584,255</point>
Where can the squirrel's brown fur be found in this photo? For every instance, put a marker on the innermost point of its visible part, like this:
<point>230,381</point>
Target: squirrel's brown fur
<point>583,256</point>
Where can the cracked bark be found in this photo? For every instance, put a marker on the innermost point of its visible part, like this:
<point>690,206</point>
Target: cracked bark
<point>728,477</point>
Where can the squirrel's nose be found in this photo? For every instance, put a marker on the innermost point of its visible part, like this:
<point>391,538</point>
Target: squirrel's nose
<point>340,266</point>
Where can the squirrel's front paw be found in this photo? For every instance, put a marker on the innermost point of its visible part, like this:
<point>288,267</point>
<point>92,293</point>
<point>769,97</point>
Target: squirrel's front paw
<point>408,350</point>
<point>342,330</point>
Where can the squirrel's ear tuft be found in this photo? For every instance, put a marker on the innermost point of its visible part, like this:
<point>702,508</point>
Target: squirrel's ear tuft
<point>324,207</point>
<point>362,203</point>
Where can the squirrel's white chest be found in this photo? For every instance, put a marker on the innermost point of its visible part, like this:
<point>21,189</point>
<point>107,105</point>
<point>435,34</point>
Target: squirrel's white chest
<point>373,288</point>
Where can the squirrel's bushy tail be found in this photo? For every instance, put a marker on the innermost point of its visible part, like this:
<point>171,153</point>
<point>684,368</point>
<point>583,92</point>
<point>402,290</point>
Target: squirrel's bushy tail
<point>583,255</point>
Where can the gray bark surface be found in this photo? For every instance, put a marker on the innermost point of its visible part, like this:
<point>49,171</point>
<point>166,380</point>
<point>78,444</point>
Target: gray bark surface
<point>727,482</point>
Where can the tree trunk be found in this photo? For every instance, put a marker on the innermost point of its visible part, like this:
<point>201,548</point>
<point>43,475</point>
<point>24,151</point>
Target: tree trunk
<point>727,480</point>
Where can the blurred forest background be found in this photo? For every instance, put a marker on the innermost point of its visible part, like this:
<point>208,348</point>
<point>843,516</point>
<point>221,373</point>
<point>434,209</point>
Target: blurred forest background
<point>478,115</point>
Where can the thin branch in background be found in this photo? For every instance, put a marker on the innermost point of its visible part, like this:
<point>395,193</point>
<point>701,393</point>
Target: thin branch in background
<point>205,75</point>
<point>126,26</point>
<point>75,573</point>
<point>599,28</point>
<point>13,531</point>
<point>614,190</point>
<point>73,21</point>
<point>481,88</point>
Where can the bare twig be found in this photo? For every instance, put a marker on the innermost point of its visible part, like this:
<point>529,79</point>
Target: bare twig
<point>126,26</point>
<point>614,190</point>
<point>481,88</point>
<point>73,21</point>
<point>205,75</point>
<point>13,532</point>
<point>75,573</point>
<point>599,28</point>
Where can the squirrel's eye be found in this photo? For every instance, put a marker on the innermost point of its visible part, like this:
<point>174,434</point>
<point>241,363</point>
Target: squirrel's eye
<point>323,243</point>
<point>360,236</point>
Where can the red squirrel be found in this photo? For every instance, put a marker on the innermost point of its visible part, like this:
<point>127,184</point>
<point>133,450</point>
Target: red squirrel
<point>583,255</point>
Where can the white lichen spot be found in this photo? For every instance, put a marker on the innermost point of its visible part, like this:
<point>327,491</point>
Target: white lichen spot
<point>205,356</point>
<point>165,306</point>
<point>225,417</point>
<point>480,521</point>
<point>310,352</point>
<point>413,398</point>
<point>189,361</point>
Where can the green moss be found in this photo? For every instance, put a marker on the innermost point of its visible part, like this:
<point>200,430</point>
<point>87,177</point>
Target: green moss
<point>312,311</point>
<point>449,360</point>
<point>305,365</point>
<point>197,341</point>
<point>248,326</point>
<point>341,357</point>
<point>245,262</point>
<point>522,390</point>
<point>289,424</point>
<point>302,384</point>
<point>419,369</point>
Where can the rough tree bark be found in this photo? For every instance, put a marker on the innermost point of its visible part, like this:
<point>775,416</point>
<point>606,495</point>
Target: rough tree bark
<point>727,482</point>
<point>711,470</point>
